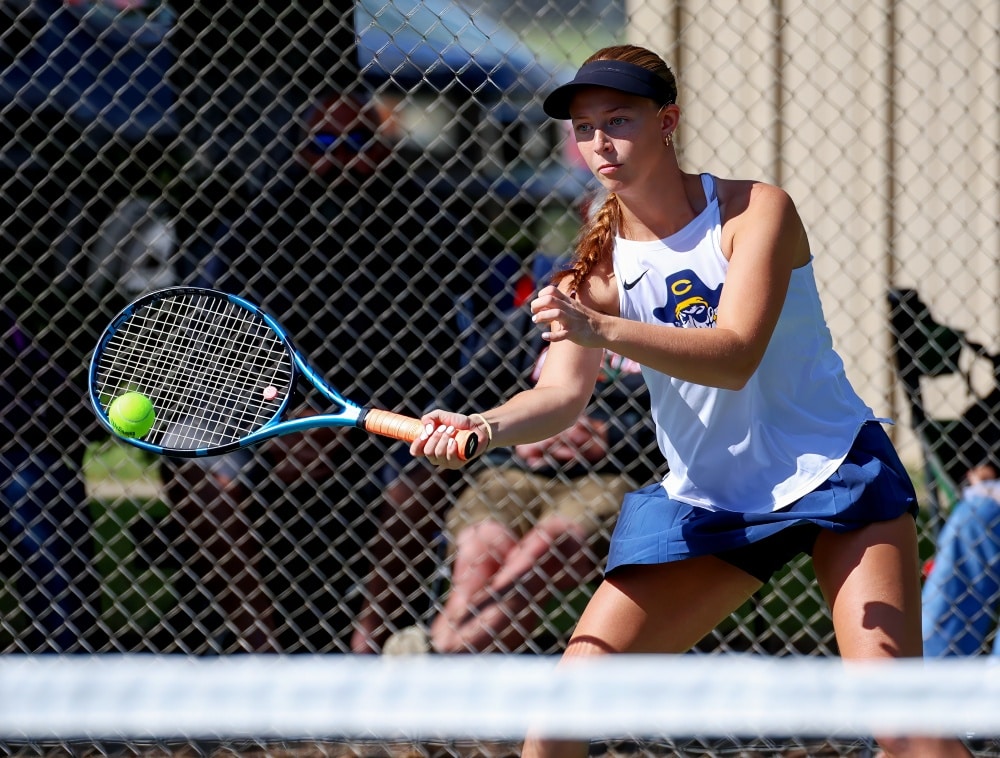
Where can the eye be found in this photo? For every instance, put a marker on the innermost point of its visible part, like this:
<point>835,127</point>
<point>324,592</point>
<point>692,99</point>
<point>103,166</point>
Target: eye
<point>582,128</point>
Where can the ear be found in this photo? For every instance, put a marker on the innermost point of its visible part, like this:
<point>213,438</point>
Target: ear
<point>670,117</point>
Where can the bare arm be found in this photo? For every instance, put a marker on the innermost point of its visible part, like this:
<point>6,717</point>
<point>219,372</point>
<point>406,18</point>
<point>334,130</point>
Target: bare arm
<point>555,403</point>
<point>766,241</point>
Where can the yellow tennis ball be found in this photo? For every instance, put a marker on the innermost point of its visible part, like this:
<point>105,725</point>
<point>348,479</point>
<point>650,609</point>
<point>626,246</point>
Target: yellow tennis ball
<point>132,415</point>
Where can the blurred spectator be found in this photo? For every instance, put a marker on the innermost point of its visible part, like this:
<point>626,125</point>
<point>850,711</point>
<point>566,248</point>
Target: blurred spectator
<point>531,524</point>
<point>961,596</point>
<point>134,251</point>
<point>62,174</point>
<point>367,265</point>
<point>220,578</point>
<point>46,546</point>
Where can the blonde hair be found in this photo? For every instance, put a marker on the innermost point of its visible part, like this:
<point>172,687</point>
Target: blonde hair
<point>596,241</point>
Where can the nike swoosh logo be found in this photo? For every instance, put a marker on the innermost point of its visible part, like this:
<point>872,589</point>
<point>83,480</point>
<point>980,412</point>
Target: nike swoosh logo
<point>630,285</point>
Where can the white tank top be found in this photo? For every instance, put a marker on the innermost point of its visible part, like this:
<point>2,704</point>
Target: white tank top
<point>765,446</point>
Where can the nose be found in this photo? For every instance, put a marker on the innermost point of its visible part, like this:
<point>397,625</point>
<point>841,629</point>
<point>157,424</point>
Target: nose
<point>602,142</point>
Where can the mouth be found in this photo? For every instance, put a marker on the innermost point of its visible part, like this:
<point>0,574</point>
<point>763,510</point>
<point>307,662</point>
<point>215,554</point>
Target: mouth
<point>608,168</point>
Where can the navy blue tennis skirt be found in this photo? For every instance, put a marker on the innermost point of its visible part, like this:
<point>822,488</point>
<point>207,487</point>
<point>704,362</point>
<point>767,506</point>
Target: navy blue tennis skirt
<point>870,485</point>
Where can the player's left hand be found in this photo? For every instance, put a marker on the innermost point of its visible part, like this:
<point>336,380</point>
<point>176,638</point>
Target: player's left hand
<point>565,317</point>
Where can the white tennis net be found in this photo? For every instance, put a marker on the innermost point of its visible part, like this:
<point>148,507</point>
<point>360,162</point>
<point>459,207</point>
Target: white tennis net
<point>137,697</point>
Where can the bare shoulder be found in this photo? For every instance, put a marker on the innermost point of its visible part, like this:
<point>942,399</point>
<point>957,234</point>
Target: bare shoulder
<point>763,209</point>
<point>738,196</point>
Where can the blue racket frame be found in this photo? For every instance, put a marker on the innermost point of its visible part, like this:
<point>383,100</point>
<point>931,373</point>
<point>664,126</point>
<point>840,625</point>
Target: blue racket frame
<point>350,415</point>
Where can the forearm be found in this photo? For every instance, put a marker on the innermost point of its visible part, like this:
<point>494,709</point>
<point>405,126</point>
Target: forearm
<point>533,415</point>
<point>712,357</point>
<point>555,402</point>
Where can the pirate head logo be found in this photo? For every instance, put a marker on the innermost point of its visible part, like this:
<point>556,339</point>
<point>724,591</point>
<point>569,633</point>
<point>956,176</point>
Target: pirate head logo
<point>690,303</point>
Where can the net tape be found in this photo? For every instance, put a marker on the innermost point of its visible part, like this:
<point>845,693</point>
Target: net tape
<point>491,696</point>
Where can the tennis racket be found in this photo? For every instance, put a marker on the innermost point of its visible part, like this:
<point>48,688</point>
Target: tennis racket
<point>221,374</point>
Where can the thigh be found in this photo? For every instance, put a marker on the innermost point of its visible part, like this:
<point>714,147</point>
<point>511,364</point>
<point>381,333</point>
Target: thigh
<point>661,608</point>
<point>871,580</point>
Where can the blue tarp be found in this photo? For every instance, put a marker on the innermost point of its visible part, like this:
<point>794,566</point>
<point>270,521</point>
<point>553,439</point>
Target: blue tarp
<point>436,41</point>
<point>95,67</point>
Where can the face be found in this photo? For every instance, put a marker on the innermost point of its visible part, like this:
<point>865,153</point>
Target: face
<point>620,136</point>
<point>343,137</point>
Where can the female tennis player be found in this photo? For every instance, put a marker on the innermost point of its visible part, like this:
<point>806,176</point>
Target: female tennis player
<point>709,284</point>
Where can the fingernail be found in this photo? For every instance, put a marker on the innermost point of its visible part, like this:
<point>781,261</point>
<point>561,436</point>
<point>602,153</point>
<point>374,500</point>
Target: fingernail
<point>429,429</point>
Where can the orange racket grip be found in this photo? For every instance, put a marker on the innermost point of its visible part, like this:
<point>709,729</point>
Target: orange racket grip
<point>407,428</point>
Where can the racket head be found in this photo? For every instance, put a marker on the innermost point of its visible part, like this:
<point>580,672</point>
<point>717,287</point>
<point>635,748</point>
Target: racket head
<point>216,368</point>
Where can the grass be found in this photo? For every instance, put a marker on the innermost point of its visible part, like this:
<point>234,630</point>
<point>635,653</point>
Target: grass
<point>115,463</point>
<point>125,501</point>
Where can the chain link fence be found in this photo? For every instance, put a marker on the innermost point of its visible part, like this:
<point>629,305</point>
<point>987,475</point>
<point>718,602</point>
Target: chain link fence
<point>146,144</point>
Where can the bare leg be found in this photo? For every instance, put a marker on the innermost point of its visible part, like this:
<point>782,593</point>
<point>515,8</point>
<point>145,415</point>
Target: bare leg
<point>480,552</point>
<point>665,608</point>
<point>870,578</point>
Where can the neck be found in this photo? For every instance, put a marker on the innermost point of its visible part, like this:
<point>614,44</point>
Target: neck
<point>661,210</point>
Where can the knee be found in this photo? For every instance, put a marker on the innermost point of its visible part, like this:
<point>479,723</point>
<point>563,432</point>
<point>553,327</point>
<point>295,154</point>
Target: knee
<point>895,747</point>
<point>559,533</point>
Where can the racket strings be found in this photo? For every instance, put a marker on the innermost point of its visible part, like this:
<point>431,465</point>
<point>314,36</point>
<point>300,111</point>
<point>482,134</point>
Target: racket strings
<point>214,371</point>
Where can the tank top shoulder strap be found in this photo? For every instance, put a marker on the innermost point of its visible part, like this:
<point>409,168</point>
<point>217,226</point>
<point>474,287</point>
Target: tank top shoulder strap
<point>708,185</point>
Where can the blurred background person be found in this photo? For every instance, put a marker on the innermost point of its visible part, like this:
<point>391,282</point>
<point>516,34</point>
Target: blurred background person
<point>961,595</point>
<point>46,542</point>
<point>367,264</point>
<point>524,528</point>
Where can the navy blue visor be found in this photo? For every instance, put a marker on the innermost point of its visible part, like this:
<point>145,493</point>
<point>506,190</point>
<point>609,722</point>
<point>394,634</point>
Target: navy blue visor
<point>617,75</point>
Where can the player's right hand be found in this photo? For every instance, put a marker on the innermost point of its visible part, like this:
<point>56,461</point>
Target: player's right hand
<point>437,444</point>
